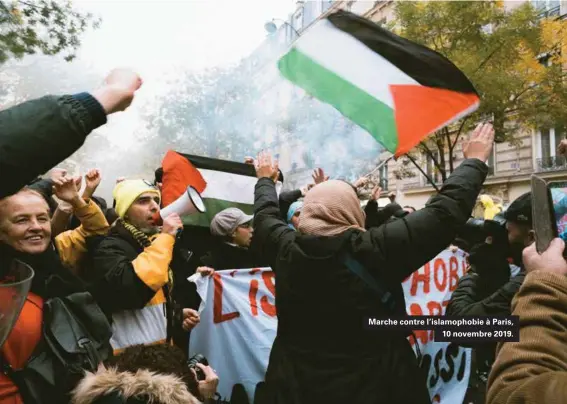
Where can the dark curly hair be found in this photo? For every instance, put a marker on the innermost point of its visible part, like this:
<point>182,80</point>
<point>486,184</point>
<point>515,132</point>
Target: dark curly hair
<point>161,358</point>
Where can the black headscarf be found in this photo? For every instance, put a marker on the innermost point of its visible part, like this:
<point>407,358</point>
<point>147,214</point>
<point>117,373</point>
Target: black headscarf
<point>51,278</point>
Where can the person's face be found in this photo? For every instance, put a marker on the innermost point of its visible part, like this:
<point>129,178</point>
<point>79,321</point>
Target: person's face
<point>519,234</point>
<point>242,236</point>
<point>295,220</point>
<point>25,224</point>
<point>142,212</point>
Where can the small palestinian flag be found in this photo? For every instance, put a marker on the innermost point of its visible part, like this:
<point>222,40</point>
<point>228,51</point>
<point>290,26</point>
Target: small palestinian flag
<point>397,90</point>
<point>222,184</point>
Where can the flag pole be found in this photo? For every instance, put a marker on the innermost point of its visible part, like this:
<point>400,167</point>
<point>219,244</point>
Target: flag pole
<point>423,172</point>
<point>379,166</point>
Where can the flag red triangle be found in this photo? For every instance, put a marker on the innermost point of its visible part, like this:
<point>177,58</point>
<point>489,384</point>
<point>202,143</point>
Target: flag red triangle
<point>420,111</point>
<point>178,174</point>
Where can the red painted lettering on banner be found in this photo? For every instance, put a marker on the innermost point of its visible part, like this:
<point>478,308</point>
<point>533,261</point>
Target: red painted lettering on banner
<point>252,297</point>
<point>254,271</point>
<point>422,335</point>
<point>453,273</point>
<point>435,309</point>
<point>267,307</point>
<point>421,277</point>
<point>440,264</point>
<point>218,316</point>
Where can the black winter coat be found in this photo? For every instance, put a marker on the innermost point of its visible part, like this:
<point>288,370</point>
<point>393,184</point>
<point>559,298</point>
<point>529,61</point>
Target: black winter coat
<point>116,286</point>
<point>486,290</point>
<point>224,256</point>
<point>376,217</point>
<point>287,198</point>
<point>38,134</point>
<point>322,351</point>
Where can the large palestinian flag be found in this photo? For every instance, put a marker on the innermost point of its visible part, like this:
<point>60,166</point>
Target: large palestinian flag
<point>222,184</point>
<point>397,90</point>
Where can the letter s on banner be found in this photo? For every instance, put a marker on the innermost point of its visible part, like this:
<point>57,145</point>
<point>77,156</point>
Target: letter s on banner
<point>267,307</point>
<point>448,367</point>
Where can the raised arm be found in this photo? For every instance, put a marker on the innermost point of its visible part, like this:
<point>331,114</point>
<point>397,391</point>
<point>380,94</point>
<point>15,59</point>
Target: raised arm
<point>269,227</point>
<point>38,134</point>
<point>72,244</point>
<point>402,246</point>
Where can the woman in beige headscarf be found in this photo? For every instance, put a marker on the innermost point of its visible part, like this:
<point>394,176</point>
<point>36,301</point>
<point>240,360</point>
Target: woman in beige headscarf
<point>323,352</point>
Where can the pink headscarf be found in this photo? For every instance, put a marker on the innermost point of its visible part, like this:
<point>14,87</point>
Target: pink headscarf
<point>331,208</point>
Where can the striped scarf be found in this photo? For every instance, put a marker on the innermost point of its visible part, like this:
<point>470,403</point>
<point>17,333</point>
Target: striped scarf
<point>144,241</point>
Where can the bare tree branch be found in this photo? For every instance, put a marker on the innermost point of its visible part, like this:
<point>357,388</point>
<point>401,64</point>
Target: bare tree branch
<point>463,122</point>
<point>487,59</point>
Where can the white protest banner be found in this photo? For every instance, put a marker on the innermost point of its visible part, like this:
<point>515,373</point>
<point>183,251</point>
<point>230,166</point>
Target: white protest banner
<point>427,292</point>
<point>238,326</point>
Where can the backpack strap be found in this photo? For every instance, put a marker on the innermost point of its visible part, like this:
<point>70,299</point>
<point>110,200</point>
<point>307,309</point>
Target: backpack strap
<point>385,296</point>
<point>17,377</point>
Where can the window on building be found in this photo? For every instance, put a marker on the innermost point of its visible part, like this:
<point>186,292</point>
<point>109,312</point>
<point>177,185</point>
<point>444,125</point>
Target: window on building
<point>326,4</point>
<point>384,177</point>
<point>547,8</point>
<point>431,169</point>
<point>549,140</point>
<point>298,20</point>
<point>490,162</point>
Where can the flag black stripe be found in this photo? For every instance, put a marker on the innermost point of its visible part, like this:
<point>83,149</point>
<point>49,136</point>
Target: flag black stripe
<point>207,163</point>
<point>424,65</point>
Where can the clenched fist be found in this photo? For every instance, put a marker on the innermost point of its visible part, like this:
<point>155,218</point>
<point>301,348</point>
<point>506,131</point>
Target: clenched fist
<point>190,319</point>
<point>118,90</point>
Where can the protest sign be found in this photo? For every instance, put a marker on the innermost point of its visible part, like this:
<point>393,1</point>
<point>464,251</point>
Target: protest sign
<point>238,326</point>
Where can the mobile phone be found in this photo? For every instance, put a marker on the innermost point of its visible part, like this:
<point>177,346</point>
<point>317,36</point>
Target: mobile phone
<point>543,214</point>
<point>558,192</point>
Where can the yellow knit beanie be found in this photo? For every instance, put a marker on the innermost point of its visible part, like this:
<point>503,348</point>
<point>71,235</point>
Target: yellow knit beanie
<point>126,192</point>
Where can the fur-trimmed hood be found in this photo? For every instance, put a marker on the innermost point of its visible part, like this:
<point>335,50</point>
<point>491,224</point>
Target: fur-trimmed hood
<point>160,388</point>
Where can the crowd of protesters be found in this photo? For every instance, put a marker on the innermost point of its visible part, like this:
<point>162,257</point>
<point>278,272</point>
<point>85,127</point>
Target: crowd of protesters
<point>114,263</point>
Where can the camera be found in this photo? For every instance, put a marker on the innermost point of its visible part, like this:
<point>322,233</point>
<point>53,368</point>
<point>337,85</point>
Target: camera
<point>192,364</point>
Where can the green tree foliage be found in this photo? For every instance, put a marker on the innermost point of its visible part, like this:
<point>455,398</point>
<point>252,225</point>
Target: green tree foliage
<point>50,27</point>
<point>513,58</point>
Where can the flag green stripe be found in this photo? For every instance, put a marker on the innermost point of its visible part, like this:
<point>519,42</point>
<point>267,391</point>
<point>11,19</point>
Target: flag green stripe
<point>214,206</point>
<point>363,109</point>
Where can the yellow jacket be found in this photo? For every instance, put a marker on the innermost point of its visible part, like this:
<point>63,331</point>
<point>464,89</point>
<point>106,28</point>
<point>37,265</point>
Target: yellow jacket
<point>71,245</point>
<point>490,208</point>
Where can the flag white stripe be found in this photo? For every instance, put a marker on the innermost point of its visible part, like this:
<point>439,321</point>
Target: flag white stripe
<point>353,61</point>
<point>229,187</point>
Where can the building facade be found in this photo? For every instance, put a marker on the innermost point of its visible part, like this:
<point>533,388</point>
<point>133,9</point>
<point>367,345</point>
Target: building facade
<point>511,165</point>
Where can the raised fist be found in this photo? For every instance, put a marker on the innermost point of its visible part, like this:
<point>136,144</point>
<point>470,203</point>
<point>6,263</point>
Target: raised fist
<point>118,90</point>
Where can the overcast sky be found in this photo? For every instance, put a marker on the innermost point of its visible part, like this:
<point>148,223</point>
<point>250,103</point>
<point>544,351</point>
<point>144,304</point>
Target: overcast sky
<point>158,39</point>
<point>153,35</point>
